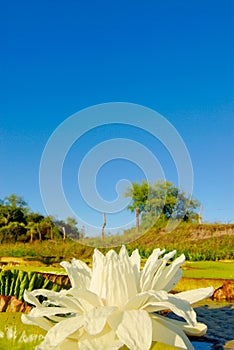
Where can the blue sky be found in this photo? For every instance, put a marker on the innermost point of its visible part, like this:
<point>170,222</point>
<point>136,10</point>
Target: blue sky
<point>175,57</point>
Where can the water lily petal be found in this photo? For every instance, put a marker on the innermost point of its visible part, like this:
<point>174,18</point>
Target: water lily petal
<point>95,319</point>
<point>78,272</point>
<point>135,261</point>
<point>97,279</point>
<point>194,295</point>
<point>115,319</point>
<point>87,299</point>
<point>179,306</point>
<point>72,274</point>
<point>68,344</point>
<point>31,299</point>
<point>46,293</point>
<point>149,269</point>
<point>62,330</point>
<point>49,311</point>
<point>83,271</point>
<point>198,330</point>
<point>167,277</point>
<point>39,321</point>
<point>153,301</point>
<point>135,330</point>
<point>140,300</point>
<point>106,340</point>
<point>55,298</point>
<point>167,332</point>
<point>119,282</point>
<point>172,282</point>
<point>65,301</point>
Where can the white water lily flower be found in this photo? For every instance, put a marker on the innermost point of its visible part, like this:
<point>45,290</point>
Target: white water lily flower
<point>116,304</point>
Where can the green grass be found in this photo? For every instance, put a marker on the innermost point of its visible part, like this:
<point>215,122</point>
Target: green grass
<point>205,274</point>
<point>44,269</point>
<point>46,251</point>
<point>209,269</point>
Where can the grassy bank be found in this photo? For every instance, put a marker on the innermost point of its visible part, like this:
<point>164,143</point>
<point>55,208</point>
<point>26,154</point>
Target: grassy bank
<point>197,242</point>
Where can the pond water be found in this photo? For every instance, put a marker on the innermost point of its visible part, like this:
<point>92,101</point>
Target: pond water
<point>202,345</point>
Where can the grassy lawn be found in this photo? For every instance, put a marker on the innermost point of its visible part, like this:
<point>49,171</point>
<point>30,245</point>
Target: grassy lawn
<point>209,269</point>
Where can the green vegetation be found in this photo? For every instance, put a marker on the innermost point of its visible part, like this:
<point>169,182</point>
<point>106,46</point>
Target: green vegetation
<point>47,252</point>
<point>160,202</point>
<point>19,224</point>
<point>14,282</point>
<point>205,274</point>
<point>198,242</point>
<point>37,268</point>
<point>216,243</point>
<point>27,234</point>
<point>209,269</point>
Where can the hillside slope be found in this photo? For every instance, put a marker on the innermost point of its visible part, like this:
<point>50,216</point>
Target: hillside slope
<point>197,242</point>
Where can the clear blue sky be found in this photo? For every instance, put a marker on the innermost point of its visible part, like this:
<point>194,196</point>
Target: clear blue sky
<point>176,57</point>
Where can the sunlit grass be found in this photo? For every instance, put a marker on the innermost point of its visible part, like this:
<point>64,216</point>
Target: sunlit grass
<point>209,269</point>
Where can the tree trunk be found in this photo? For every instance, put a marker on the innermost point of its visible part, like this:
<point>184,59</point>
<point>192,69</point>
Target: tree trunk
<point>39,232</point>
<point>31,235</point>
<point>104,225</point>
<point>64,233</point>
<point>51,233</point>
<point>200,215</point>
<point>137,219</point>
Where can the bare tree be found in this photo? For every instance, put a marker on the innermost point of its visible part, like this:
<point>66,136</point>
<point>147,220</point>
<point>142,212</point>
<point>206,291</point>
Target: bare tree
<point>104,225</point>
<point>200,215</point>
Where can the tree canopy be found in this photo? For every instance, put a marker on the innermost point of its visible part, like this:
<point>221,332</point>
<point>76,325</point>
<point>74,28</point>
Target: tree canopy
<point>160,202</point>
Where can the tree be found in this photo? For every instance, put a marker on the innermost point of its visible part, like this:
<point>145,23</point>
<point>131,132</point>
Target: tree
<point>11,213</point>
<point>12,232</point>
<point>15,201</point>
<point>17,222</point>
<point>71,221</point>
<point>139,194</point>
<point>68,228</point>
<point>161,201</point>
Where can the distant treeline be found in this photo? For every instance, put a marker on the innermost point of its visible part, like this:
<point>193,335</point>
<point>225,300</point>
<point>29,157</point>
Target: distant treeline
<point>19,224</point>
